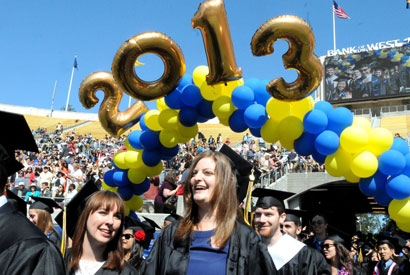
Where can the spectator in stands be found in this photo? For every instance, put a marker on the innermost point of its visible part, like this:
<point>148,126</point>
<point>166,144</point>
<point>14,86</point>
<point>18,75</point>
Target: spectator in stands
<point>21,190</point>
<point>58,195</point>
<point>46,175</point>
<point>70,193</point>
<point>19,178</point>
<point>33,192</point>
<point>45,191</point>
<point>167,189</point>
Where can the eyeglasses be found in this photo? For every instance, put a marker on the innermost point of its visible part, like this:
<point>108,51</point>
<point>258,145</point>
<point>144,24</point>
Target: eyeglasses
<point>317,223</point>
<point>127,236</point>
<point>327,246</point>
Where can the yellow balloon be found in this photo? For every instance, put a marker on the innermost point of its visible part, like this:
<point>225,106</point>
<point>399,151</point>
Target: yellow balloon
<point>354,139</point>
<point>209,92</point>
<point>270,131</point>
<point>127,210</point>
<point>224,121</point>
<point>161,105</point>
<point>182,139</point>
<point>277,109</point>
<point>228,87</point>
<point>362,122</point>
<point>299,108</point>
<point>223,107</point>
<point>135,203</point>
<point>168,119</point>
<point>188,132</point>
<point>128,145</point>
<point>155,170</point>
<point>338,164</point>
<point>107,187</point>
<point>404,226</point>
<point>399,210</point>
<point>168,138</point>
<point>290,128</point>
<point>350,177</point>
<point>133,158</point>
<point>380,140</point>
<point>119,159</point>
<point>287,143</point>
<point>151,120</point>
<point>364,164</point>
<point>199,75</point>
<point>136,175</point>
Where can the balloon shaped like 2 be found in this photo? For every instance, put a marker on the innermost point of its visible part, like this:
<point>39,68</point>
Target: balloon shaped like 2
<point>149,42</point>
<point>300,55</point>
<point>112,120</point>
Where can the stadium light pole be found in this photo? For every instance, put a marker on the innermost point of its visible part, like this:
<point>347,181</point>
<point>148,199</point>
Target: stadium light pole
<point>71,81</point>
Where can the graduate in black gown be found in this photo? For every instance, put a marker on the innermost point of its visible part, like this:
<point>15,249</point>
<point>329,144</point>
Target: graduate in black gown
<point>290,256</point>
<point>24,249</point>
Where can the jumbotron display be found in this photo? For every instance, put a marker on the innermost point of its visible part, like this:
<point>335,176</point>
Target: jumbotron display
<point>368,75</point>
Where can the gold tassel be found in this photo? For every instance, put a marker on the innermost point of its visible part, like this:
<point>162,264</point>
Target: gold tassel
<point>248,200</point>
<point>64,234</point>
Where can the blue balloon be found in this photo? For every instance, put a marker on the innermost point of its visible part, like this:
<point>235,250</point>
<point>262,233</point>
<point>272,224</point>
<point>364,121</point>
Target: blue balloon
<point>121,178</point>
<point>382,198</point>
<point>391,162</point>
<point>150,140</point>
<point>125,192</point>
<point>191,96</point>
<point>186,80</point>
<point>373,185</point>
<point>400,145</point>
<point>303,145</point>
<point>141,188</point>
<point>134,139</point>
<point>151,157</point>
<point>242,97</point>
<point>261,94</point>
<point>323,106</point>
<point>143,126</point>
<point>256,132</point>
<point>253,83</point>
<point>173,100</point>
<point>327,142</point>
<point>134,216</point>
<point>315,121</point>
<point>202,119</point>
<point>406,170</point>
<point>398,187</point>
<point>339,119</point>
<point>236,121</point>
<point>205,109</point>
<point>255,116</point>
<point>108,178</point>
<point>168,153</point>
<point>188,116</point>
<point>318,157</point>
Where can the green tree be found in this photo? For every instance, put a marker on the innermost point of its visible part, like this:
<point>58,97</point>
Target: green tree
<point>372,223</point>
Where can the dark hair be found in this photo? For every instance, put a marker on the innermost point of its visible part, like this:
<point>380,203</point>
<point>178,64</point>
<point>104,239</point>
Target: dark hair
<point>113,252</point>
<point>171,177</point>
<point>389,244</point>
<point>342,254</point>
<point>320,215</point>
<point>137,254</point>
<point>223,199</point>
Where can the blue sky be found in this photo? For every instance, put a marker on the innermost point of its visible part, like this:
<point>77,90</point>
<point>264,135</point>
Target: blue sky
<point>40,38</point>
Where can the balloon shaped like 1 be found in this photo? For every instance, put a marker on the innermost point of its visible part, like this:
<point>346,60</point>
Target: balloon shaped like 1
<point>211,19</point>
<point>300,55</point>
<point>112,120</point>
<point>148,42</point>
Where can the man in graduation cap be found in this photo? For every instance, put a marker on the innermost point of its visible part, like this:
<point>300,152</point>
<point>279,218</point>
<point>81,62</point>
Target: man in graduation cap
<point>292,225</point>
<point>24,249</point>
<point>289,256</point>
<point>390,263</point>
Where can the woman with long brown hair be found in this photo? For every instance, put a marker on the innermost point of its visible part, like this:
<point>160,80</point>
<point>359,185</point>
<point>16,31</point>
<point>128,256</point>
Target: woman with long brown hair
<point>97,245</point>
<point>338,257</point>
<point>210,238</point>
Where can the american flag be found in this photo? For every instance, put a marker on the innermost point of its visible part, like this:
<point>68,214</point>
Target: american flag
<point>339,12</point>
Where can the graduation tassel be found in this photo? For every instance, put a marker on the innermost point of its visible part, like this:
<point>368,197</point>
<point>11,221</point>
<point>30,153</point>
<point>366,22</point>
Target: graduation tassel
<point>248,199</point>
<point>64,234</point>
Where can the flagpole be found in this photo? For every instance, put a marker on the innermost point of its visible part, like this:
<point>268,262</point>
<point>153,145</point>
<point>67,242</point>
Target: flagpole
<point>69,88</point>
<point>334,30</point>
<point>52,100</point>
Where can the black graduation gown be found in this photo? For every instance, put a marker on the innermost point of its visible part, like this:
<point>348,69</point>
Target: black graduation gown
<point>127,270</point>
<point>24,249</point>
<point>55,239</point>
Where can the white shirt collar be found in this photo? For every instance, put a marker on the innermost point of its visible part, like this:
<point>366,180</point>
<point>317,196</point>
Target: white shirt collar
<point>3,200</point>
<point>284,250</point>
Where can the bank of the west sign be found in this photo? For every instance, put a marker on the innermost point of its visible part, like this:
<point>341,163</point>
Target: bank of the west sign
<point>370,47</point>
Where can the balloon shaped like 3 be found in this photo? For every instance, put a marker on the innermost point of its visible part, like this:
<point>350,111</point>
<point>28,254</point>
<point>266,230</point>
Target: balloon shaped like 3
<point>112,120</point>
<point>148,42</point>
<point>300,55</point>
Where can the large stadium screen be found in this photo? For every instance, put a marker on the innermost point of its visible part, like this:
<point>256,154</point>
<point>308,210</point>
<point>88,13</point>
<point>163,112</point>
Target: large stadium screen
<point>368,75</point>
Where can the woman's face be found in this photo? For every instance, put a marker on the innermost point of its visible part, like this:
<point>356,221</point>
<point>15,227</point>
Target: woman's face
<point>127,239</point>
<point>60,188</point>
<point>103,225</point>
<point>329,250</point>
<point>33,217</point>
<point>203,181</point>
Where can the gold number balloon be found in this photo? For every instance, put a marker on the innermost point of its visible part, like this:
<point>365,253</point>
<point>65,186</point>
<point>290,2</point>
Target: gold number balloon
<point>300,55</point>
<point>113,121</point>
<point>123,66</point>
<point>211,19</point>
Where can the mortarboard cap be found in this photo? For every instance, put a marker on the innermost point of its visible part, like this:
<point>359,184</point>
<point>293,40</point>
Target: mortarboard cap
<point>343,78</point>
<point>152,223</point>
<point>390,241</point>
<point>173,217</point>
<point>18,139</point>
<point>44,204</point>
<point>76,206</point>
<point>145,226</point>
<point>270,197</point>
<point>336,238</point>
<point>17,202</point>
<point>243,168</point>
<point>293,218</point>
